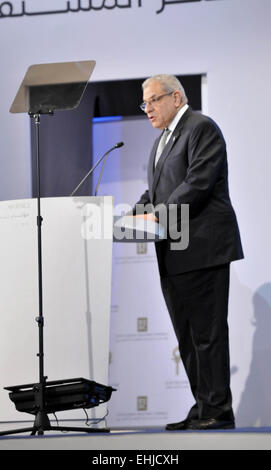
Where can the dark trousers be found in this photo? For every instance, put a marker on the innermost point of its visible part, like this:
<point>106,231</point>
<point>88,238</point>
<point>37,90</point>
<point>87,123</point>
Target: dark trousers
<point>197,302</point>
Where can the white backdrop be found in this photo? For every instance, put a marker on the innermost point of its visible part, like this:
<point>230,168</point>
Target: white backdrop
<point>229,41</point>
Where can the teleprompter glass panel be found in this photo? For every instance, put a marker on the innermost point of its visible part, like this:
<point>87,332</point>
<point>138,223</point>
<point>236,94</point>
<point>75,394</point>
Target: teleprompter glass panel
<point>49,87</point>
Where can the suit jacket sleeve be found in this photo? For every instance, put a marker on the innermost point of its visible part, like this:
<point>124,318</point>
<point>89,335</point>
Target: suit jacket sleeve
<point>206,157</point>
<point>144,200</point>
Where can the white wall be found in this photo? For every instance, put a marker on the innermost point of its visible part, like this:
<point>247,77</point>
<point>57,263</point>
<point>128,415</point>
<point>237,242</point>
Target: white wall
<point>229,41</point>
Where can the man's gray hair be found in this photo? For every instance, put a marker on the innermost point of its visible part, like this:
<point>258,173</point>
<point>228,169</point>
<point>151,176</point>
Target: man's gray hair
<point>169,84</point>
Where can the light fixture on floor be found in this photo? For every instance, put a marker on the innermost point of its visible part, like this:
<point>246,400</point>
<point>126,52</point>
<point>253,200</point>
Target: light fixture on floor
<point>60,395</point>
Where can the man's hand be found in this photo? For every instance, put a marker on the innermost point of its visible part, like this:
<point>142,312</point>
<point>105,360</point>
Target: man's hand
<point>149,216</point>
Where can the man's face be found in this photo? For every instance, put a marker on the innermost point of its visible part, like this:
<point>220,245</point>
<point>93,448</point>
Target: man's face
<point>160,113</point>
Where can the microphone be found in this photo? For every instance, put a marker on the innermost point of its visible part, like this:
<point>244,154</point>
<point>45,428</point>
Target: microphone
<point>120,144</point>
<point>116,146</point>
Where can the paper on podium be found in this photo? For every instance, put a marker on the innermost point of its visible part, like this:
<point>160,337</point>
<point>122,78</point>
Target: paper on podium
<point>135,229</point>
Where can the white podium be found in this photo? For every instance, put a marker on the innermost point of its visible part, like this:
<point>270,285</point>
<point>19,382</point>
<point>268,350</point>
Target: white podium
<point>77,261</point>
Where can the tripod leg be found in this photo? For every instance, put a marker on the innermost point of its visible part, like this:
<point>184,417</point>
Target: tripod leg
<point>77,429</point>
<point>18,431</point>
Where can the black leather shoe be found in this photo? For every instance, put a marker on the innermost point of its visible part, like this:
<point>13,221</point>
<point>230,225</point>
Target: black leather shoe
<point>210,423</point>
<point>180,426</point>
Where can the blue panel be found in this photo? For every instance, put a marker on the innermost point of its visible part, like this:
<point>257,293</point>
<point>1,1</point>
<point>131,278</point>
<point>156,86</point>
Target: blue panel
<point>107,119</point>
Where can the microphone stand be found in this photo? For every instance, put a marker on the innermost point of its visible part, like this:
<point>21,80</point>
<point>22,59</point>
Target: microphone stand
<point>116,146</point>
<point>41,421</point>
<point>100,176</point>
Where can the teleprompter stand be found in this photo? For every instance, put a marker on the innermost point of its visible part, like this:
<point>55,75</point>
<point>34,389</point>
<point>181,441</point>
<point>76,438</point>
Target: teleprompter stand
<point>45,89</point>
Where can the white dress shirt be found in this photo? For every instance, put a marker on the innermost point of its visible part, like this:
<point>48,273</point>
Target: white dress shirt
<point>176,119</point>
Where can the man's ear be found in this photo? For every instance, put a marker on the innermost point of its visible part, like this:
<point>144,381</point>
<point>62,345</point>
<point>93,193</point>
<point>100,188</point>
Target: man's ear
<point>177,98</point>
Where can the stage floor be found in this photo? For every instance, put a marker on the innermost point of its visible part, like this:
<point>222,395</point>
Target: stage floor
<point>138,439</point>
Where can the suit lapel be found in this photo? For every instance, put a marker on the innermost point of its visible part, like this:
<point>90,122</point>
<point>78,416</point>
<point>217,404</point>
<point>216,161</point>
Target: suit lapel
<point>155,174</point>
<point>151,165</point>
<point>161,161</point>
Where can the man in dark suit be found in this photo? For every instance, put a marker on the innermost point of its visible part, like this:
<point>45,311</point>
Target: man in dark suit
<point>190,167</point>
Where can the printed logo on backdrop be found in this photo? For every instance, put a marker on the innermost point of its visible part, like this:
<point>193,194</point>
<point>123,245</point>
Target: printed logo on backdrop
<point>142,403</point>
<point>178,378</point>
<point>18,8</point>
<point>143,413</point>
<point>142,324</point>
<point>142,333</point>
<point>141,248</point>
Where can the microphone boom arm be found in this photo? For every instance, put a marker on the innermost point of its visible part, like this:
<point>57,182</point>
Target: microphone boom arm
<point>120,144</point>
<point>100,176</point>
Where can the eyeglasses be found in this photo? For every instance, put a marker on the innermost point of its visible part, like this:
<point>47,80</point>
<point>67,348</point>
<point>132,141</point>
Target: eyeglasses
<point>153,100</point>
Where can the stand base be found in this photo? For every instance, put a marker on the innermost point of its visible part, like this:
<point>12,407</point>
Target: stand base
<point>60,395</point>
<point>35,430</point>
<point>42,424</point>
